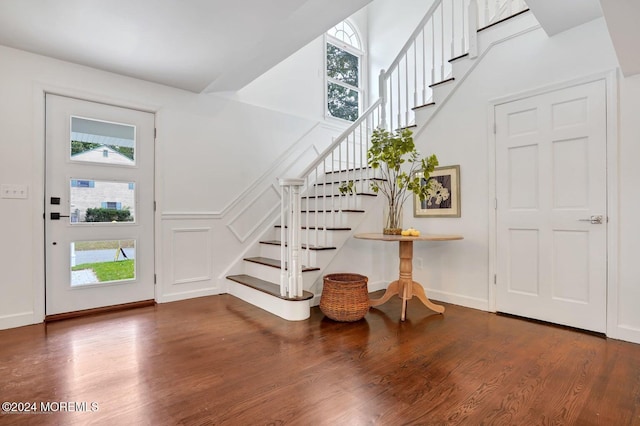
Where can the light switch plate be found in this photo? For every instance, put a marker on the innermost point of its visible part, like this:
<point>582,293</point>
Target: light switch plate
<point>14,191</point>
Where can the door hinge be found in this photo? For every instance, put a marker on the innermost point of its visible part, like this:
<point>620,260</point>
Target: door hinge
<point>155,278</point>
<point>495,279</point>
<point>495,204</point>
<point>495,128</point>
<point>155,133</point>
<point>154,206</point>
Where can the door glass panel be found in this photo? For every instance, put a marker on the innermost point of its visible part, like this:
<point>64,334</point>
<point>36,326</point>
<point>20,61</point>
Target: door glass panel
<point>99,262</point>
<point>98,141</point>
<point>103,201</point>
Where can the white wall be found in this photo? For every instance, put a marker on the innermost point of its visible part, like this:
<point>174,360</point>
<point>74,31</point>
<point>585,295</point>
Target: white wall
<point>290,87</point>
<point>459,134</point>
<point>216,174</point>
<point>391,22</point>
<point>628,294</point>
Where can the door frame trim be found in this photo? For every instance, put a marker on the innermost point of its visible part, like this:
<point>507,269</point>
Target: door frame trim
<point>40,90</point>
<point>611,94</point>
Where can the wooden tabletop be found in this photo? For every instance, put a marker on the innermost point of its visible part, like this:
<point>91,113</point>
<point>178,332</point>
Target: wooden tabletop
<point>422,237</point>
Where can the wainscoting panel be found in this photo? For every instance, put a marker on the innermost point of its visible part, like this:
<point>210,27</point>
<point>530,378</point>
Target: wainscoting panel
<point>186,269</point>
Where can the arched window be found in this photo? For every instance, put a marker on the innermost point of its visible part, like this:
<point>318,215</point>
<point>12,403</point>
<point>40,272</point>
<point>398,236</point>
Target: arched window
<point>344,58</point>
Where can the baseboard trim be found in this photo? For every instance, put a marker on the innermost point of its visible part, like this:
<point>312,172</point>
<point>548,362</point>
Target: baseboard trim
<point>97,311</point>
<point>17,320</point>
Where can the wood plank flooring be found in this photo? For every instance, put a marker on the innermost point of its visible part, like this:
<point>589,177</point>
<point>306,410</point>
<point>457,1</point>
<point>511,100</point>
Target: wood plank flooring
<point>218,360</point>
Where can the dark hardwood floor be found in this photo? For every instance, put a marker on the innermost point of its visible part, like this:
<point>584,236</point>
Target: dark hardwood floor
<point>218,360</point>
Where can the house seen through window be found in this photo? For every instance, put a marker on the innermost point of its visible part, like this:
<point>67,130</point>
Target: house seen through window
<point>344,72</point>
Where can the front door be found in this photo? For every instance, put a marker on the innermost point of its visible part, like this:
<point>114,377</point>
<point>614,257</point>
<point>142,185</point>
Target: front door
<point>551,225</point>
<point>99,205</point>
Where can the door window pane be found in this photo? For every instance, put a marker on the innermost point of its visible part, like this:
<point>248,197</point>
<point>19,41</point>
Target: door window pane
<point>102,142</point>
<point>99,262</point>
<point>101,201</point>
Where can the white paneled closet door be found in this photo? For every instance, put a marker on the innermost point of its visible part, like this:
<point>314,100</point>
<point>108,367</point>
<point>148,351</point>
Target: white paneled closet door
<point>551,189</point>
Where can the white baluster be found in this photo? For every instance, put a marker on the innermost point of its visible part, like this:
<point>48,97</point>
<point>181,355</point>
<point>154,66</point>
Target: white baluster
<point>453,29</point>
<point>391,100</point>
<point>473,29</point>
<point>486,12</point>
<point>415,76</point>
<point>463,28</point>
<point>406,91</point>
<point>441,42</point>
<point>399,100</point>
<point>424,67</point>
<point>433,51</point>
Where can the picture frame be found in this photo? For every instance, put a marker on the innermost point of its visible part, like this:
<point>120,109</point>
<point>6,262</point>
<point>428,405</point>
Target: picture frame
<point>445,197</point>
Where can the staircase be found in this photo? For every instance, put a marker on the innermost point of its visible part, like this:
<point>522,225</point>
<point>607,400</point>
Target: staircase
<point>284,273</point>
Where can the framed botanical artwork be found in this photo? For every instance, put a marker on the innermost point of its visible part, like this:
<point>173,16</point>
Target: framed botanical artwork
<point>443,199</point>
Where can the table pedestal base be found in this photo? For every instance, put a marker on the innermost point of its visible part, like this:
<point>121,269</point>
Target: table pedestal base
<point>405,287</point>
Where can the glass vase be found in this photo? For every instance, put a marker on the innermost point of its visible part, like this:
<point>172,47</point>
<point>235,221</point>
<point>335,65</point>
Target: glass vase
<point>392,219</point>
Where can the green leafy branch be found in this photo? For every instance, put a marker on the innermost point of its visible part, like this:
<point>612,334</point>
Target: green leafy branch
<point>399,162</point>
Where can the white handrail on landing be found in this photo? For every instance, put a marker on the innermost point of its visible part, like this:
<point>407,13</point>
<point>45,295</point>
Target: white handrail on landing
<point>448,30</point>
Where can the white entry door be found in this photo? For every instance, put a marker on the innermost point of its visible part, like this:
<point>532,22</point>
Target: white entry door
<point>99,215</point>
<point>551,188</point>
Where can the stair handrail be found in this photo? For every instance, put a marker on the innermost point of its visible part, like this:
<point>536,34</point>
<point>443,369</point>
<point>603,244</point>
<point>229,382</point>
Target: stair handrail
<point>467,33</point>
<point>411,40</point>
<point>349,130</point>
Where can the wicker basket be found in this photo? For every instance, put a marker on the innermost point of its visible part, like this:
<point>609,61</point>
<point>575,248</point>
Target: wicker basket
<point>345,297</point>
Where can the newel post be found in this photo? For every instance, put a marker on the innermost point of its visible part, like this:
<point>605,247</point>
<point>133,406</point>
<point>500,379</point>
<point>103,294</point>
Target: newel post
<point>473,28</point>
<point>290,246</point>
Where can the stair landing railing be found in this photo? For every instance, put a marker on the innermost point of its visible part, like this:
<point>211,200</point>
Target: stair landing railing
<point>448,30</point>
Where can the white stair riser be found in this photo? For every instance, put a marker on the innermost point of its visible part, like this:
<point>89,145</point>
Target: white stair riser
<point>441,91</point>
<point>350,174</point>
<point>322,238</point>
<point>333,188</point>
<point>271,274</point>
<point>335,203</point>
<point>423,114</point>
<point>287,309</point>
<point>316,257</point>
<point>461,66</point>
<point>331,219</point>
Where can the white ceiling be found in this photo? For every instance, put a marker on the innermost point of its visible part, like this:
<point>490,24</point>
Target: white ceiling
<point>622,18</point>
<point>623,22</point>
<point>556,16</point>
<point>221,45</point>
<point>196,45</point>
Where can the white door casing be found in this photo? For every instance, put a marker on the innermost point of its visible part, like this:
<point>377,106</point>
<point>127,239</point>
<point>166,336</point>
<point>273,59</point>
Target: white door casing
<point>100,177</point>
<point>551,181</point>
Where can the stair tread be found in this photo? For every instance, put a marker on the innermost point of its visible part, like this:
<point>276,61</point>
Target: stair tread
<point>368,194</point>
<point>448,80</point>
<point>275,263</point>
<point>304,246</point>
<point>334,211</point>
<point>345,181</point>
<point>423,106</point>
<point>268,287</point>
<point>347,170</point>
<point>458,57</point>
<point>328,228</point>
<point>503,20</point>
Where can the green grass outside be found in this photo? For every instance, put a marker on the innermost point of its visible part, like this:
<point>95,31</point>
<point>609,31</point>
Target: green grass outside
<point>103,245</point>
<point>110,271</point>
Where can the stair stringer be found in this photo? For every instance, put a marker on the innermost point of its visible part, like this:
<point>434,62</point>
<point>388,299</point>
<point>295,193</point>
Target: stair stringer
<point>461,68</point>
